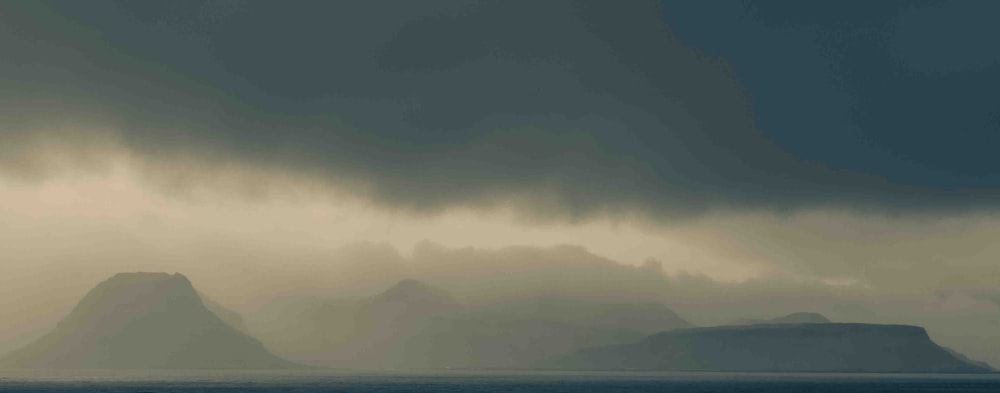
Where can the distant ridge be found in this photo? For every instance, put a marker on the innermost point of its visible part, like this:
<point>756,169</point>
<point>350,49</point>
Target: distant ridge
<point>230,317</point>
<point>145,321</point>
<point>416,325</point>
<point>796,317</point>
<point>825,347</point>
<point>406,301</point>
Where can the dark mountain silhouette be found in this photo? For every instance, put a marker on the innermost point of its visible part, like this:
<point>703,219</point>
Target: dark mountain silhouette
<point>144,320</point>
<point>967,359</point>
<point>797,317</point>
<point>827,347</point>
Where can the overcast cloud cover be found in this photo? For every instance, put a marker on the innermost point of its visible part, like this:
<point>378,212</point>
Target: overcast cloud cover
<point>769,156</point>
<point>572,108</point>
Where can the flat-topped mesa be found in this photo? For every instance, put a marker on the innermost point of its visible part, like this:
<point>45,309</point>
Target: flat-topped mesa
<point>144,320</point>
<point>820,347</point>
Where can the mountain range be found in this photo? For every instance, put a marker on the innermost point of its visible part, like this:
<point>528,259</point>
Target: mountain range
<point>159,321</point>
<point>415,325</point>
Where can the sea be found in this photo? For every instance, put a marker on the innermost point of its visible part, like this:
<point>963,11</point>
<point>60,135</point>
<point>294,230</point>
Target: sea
<point>479,381</point>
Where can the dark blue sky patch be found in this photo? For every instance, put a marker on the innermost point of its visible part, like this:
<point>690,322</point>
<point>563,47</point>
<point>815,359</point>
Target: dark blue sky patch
<point>865,86</point>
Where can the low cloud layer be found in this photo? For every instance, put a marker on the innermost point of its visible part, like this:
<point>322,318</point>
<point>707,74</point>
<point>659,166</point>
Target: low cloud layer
<point>566,110</point>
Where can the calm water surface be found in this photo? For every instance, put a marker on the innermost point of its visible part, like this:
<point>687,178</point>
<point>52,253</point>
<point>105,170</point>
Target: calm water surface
<point>467,381</point>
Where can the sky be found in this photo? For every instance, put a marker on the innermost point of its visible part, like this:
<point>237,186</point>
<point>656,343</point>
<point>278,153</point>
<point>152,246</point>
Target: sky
<point>757,158</point>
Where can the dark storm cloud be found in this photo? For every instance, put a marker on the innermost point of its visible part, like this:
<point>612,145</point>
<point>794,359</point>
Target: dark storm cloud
<point>897,89</point>
<point>563,108</point>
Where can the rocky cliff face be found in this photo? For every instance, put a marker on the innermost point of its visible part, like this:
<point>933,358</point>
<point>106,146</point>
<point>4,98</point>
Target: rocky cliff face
<point>143,320</point>
<point>829,347</point>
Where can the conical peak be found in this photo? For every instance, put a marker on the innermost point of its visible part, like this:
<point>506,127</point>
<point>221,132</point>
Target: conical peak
<point>145,320</point>
<point>144,282</point>
<point>129,294</point>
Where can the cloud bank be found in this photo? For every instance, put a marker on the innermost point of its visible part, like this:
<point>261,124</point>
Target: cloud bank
<point>566,110</point>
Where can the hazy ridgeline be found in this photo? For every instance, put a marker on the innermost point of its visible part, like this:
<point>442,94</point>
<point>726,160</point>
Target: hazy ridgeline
<point>158,321</point>
<point>414,325</point>
<point>467,308</point>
